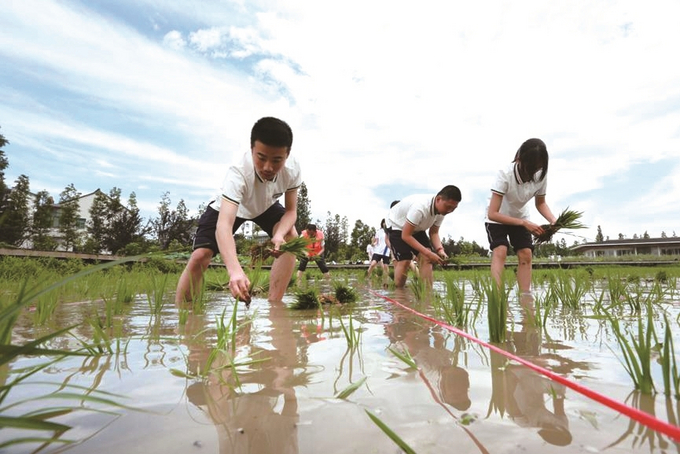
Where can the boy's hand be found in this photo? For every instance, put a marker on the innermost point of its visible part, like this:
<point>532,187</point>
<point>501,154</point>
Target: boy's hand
<point>239,285</point>
<point>434,258</point>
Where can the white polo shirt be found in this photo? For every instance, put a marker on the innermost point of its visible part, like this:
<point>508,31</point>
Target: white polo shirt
<point>516,194</point>
<point>418,210</point>
<point>253,195</point>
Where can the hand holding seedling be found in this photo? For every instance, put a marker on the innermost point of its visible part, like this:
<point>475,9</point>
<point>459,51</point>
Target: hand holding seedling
<point>239,285</point>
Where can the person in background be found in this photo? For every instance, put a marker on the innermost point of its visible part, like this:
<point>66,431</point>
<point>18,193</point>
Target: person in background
<point>315,250</point>
<point>250,191</point>
<point>508,216</point>
<point>409,223</point>
<point>381,250</point>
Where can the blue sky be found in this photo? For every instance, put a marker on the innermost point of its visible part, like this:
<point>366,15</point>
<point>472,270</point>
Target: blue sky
<point>385,99</point>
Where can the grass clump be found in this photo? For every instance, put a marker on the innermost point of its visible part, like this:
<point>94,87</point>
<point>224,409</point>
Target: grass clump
<point>344,293</point>
<point>306,299</point>
<point>568,219</point>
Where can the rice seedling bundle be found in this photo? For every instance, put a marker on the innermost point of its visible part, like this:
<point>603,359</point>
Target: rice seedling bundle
<point>568,219</point>
<point>306,299</point>
<point>297,246</point>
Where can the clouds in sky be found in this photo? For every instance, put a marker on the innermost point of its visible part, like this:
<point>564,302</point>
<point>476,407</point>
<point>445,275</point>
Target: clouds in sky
<point>385,99</point>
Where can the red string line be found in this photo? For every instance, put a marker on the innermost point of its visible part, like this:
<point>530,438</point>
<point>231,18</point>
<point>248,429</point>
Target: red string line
<point>633,413</point>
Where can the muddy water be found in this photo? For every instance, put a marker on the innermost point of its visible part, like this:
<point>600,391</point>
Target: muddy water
<point>462,398</point>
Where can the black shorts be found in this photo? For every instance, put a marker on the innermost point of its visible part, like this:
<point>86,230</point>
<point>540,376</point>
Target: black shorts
<point>498,235</point>
<point>401,250</point>
<point>320,262</point>
<point>381,258</point>
<point>207,224</point>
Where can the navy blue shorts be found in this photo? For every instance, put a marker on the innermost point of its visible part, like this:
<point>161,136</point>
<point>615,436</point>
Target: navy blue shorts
<point>320,262</point>
<point>207,224</point>
<point>381,258</point>
<point>401,250</point>
<point>498,235</point>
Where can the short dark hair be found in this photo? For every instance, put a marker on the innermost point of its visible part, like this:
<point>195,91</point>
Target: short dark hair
<point>450,192</point>
<point>273,132</point>
<point>310,227</point>
<point>531,157</point>
<point>394,202</point>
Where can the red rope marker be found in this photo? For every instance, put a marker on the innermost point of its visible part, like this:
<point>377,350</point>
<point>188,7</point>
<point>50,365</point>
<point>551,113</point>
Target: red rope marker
<point>633,413</point>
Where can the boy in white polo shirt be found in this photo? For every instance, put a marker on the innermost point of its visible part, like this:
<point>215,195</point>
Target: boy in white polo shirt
<point>250,191</point>
<point>410,220</point>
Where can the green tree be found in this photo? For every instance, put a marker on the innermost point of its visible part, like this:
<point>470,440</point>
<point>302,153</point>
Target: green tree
<point>335,233</point>
<point>97,225</point>
<point>361,236</point>
<point>127,228</point>
<point>4,163</point>
<point>599,238</point>
<point>172,225</point>
<point>645,235</point>
<point>42,222</point>
<point>69,215</point>
<point>15,220</point>
<point>304,211</point>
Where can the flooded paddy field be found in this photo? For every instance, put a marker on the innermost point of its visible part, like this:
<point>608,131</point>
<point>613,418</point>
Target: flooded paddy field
<point>361,377</point>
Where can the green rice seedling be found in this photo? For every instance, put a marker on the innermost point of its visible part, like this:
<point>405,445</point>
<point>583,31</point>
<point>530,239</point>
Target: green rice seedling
<point>155,295</point>
<point>570,289</point>
<point>496,310</point>
<point>352,335</point>
<point>344,293</point>
<point>617,287</point>
<point>636,350</point>
<point>405,357</point>
<point>453,307</point>
<point>183,317</point>
<point>306,299</point>
<point>40,420</point>
<point>568,220</point>
<point>390,433</point>
<point>45,306</point>
<point>669,363</point>
<point>259,282</point>
<point>345,393</point>
<point>296,246</point>
<point>419,287</point>
<point>638,296</point>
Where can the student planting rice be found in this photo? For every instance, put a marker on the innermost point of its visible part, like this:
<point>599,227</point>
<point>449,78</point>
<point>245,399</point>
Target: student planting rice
<point>507,216</point>
<point>250,191</point>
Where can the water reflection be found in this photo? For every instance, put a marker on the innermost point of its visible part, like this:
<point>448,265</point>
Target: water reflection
<point>260,415</point>
<point>522,393</point>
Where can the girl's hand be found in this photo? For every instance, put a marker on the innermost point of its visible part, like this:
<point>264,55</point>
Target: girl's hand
<point>435,258</point>
<point>239,285</point>
<point>533,228</point>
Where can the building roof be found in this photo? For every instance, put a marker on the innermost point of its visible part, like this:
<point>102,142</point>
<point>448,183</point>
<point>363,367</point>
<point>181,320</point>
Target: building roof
<point>674,241</point>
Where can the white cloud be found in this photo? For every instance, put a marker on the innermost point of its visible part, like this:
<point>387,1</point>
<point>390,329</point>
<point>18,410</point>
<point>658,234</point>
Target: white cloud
<point>377,93</point>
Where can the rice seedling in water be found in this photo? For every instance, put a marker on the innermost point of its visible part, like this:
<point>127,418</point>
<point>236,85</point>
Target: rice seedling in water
<point>45,306</point>
<point>669,363</point>
<point>405,357</point>
<point>345,393</point>
<point>452,307</point>
<point>40,420</point>
<point>352,335</point>
<point>344,293</point>
<point>568,219</point>
<point>570,289</point>
<point>636,350</point>
<point>306,299</point>
<point>419,287</point>
<point>390,433</point>
<point>496,309</point>
<point>155,295</point>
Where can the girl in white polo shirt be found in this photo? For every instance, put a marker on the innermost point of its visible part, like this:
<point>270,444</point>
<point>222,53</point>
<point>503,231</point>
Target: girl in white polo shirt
<point>508,216</point>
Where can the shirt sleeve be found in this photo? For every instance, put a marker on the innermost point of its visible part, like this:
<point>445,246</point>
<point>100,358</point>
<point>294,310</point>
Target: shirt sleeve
<point>233,187</point>
<point>500,186</point>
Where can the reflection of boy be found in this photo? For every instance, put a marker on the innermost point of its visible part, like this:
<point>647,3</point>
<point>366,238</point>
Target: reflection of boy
<point>410,221</point>
<point>250,191</point>
<point>315,249</point>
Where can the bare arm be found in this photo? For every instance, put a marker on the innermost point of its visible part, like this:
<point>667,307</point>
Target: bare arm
<point>436,242</point>
<point>544,209</point>
<point>285,228</point>
<point>238,281</point>
<point>495,215</point>
<point>407,236</point>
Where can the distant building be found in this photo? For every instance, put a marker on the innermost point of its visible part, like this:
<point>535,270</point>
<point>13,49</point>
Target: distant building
<point>84,204</point>
<point>641,246</point>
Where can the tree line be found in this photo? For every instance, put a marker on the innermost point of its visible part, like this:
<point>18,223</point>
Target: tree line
<point>115,226</point>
